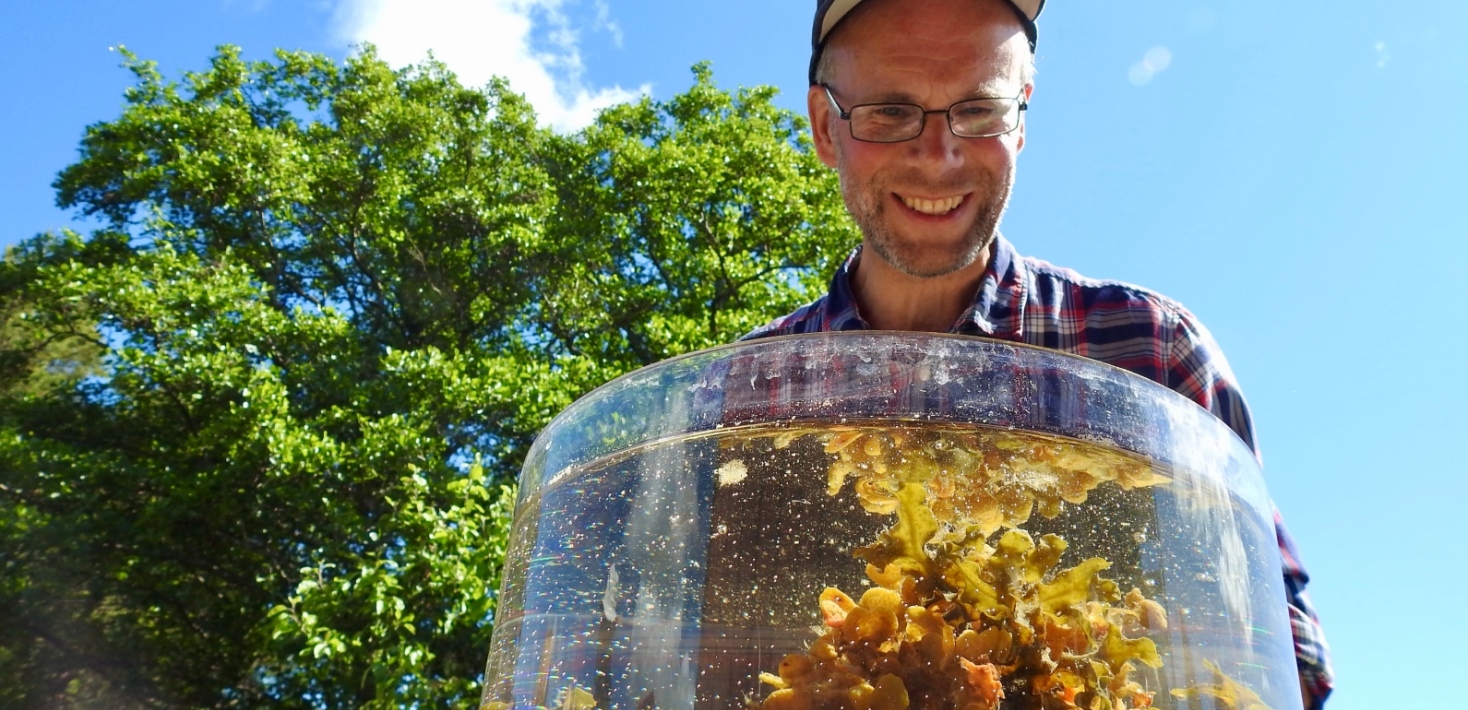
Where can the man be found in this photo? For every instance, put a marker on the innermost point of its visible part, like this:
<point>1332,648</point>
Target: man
<point>919,106</point>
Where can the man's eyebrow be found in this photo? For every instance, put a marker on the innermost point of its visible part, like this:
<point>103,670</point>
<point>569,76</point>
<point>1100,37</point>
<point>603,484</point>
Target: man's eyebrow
<point>890,97</point>
<point>990,91</point>
<point>902,97</point>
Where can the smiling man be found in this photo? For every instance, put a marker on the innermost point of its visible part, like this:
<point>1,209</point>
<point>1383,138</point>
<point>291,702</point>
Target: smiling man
<point>919,105</point>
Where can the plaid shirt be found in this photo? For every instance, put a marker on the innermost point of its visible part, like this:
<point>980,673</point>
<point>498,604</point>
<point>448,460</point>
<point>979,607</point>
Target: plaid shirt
<point>1029,301</point>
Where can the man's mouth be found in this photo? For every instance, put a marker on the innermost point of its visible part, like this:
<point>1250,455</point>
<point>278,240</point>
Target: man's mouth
<point>939,206</point>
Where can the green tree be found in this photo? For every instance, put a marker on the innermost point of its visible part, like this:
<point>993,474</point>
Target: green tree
<point>258,435</point>
<point>39,351</point>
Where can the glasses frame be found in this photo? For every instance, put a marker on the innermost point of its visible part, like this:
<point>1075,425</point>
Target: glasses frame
<point>845,115</point>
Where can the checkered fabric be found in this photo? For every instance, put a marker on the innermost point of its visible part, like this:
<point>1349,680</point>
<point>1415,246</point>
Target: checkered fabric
<point>1026,300</point>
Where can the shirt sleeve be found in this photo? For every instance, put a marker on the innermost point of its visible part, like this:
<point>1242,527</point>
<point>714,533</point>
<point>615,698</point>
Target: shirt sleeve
<point>1196,368</point>
<point>1312,655</point>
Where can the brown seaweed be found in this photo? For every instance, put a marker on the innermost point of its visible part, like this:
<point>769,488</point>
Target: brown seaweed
<point>962,617</point>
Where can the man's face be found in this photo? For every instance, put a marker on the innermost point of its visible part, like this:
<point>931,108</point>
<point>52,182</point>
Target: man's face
<point>931,205</point>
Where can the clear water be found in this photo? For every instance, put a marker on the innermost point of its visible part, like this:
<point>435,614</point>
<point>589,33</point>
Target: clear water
<point>676,574</point>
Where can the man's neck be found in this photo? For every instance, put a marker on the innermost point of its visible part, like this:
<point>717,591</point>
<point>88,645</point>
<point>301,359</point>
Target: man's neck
<point>889,299</point>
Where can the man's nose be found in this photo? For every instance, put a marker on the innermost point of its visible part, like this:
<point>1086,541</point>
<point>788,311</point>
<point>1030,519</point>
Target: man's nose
<point>936,142</point>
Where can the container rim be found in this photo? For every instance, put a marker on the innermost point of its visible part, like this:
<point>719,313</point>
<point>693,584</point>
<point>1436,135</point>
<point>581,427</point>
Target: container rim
<point>899,334</point>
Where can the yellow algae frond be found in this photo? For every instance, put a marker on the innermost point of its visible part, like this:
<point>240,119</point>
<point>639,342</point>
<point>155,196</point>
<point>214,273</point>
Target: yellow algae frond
<point>989,646</point>
<point>785,699</point>
<point>574,698</point>
<point>1140,478</point>
<point>842,439</point>
<point>835,605</point>
<point>1140,615</point>
<point>1075,585</point>
<point>890,693</point>
<point>876,496</point>
<point>915,523</point>
<point>836,477</point>
<point>1230,694</point>
<point>984,479</point>
<point>908,537</point>
<point>1118,649</point>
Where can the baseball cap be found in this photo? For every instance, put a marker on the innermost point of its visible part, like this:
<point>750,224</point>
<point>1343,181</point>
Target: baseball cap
<point>830,12</point>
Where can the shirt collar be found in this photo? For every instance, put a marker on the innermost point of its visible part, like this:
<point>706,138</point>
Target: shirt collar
<point>840,310</point>
<point>997,310</point>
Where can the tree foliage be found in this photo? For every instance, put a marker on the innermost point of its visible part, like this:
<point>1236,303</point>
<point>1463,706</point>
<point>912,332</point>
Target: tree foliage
<point>258,433</point>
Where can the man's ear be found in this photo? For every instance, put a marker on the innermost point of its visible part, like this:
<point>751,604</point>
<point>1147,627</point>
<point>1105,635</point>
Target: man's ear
<point>1019,144</point>
<point>819,108</point>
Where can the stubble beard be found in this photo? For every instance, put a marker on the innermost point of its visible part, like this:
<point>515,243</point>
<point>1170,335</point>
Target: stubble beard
<point>868,205</point>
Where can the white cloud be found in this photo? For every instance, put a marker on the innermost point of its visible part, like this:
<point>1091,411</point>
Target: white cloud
<point>479,39</point>
<point>1201,20</point>
<point>604,21</point>
<point>1154,62</point>
<point>1383,55</point>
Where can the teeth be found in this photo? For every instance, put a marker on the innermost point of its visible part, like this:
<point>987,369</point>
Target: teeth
<point>942,206</point>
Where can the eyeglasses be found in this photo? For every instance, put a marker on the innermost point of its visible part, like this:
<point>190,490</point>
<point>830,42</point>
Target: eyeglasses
<point>894,123</point>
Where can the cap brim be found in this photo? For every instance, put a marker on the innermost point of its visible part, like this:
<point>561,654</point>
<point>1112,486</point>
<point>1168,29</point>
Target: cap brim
<point>829,13</point>
<point>1031,8</point>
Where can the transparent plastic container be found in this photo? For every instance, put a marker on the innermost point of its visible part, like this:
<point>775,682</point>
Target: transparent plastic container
<point>883,521</point>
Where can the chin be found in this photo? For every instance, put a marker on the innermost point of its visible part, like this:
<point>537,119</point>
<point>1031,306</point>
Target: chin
<point>924,263</point>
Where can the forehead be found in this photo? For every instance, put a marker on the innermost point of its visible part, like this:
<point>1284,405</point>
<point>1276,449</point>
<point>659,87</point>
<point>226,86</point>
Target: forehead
<point>929,46</point>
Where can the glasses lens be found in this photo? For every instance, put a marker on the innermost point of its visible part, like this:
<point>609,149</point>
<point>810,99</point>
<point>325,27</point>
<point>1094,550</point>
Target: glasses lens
<point>886,123</point>
<point>984,117</point>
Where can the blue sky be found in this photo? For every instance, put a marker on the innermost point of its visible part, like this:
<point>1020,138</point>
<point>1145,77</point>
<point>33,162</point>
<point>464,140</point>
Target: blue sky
<point>1296,173</point>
